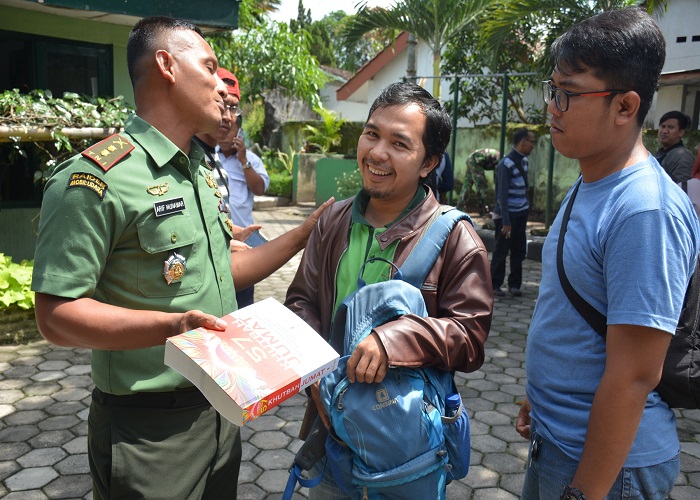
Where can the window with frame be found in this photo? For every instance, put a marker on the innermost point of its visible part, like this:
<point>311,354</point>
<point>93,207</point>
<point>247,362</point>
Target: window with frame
<point>29,62</point>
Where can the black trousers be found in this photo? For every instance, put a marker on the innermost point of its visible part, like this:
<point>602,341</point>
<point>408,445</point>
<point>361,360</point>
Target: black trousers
<point>516,245</point>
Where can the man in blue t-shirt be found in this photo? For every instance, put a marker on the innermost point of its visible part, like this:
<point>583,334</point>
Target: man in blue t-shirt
<point>597,428</point>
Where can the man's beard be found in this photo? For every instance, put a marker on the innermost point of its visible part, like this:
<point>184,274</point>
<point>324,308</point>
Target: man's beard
<point>376,193</point>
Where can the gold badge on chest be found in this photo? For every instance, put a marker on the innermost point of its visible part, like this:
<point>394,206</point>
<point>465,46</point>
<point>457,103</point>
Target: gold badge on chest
<point>174,268</point>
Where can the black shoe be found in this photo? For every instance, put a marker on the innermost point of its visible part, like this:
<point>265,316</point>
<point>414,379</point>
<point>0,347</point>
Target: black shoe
<point>515,292</point>
<point>497,292</point>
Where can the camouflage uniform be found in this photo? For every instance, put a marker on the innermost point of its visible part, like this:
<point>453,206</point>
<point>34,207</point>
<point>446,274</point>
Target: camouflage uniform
<point>477,163</point>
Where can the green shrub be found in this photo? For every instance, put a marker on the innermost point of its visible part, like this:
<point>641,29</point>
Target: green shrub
<point>280,185</point>
<point>15,283</point>
<point>348,184</point>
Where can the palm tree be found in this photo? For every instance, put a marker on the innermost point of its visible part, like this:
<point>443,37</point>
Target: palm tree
<point>549,17</point>
<point>433,21</point>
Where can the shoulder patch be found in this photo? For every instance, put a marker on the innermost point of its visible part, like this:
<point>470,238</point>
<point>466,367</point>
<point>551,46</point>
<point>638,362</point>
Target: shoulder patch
<point>109,151</point>
<point>89,181</point>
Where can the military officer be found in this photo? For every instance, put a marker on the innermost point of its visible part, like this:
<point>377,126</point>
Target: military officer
<point>133,248</point>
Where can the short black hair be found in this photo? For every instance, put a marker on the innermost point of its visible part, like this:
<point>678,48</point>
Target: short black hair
<point>437,120</point>
<point>683,119</point>
<point>625,48</point>
<point>520,134</point>
<point>144,37</point>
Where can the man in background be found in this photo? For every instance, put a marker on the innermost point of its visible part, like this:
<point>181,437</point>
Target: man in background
<point>247,178</point>
<point>510,214</point>
<point>676,159</point>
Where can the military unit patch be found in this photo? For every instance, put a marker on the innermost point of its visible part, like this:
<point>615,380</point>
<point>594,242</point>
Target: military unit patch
<point>89,181</point>
<point>109,151</point>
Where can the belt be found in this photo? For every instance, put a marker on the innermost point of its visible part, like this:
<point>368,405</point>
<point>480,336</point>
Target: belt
<point>179,398</point>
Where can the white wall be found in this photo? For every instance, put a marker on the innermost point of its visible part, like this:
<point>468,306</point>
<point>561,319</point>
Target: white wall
<point>681,20</point>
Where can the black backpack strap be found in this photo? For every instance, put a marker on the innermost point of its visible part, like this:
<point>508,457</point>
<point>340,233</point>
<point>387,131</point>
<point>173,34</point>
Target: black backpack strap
<point>593,317</point>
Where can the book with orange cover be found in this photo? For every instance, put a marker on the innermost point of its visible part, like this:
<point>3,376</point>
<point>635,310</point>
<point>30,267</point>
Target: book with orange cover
<point>266,355</point>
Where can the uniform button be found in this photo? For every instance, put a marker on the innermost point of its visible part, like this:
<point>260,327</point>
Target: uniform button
<point>173,237</point>
<point>221,278</point>
<point>182,160</point>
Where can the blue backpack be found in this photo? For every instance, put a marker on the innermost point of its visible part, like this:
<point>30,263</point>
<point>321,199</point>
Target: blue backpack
<point>408,436</point>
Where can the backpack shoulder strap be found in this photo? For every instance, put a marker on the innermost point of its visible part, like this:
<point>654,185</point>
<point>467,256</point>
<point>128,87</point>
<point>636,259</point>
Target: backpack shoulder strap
<point>422,258</point>
<point>597,320</point>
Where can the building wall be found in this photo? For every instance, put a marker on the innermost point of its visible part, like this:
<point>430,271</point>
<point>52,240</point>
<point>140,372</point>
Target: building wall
<point>681,20</point>
<point>39,23</point>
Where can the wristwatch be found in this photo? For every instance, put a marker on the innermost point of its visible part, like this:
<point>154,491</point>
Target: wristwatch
<point>247,165</point>
<point>571,493</point>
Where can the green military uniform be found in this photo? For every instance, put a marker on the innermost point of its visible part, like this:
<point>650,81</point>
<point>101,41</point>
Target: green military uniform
<point>135,223</point>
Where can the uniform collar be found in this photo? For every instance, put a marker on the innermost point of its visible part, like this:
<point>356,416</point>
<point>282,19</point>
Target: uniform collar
<point>159,147</point>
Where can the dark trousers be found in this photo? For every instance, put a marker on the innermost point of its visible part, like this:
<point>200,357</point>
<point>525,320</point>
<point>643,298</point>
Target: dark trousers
<point>245,297</point>
<point>161,446</point>
<point>516,245</point>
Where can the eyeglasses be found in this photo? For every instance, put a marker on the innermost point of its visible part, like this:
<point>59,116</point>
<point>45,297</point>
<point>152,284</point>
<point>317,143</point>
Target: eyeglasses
<point>561,97</point>
<point>233,109</point>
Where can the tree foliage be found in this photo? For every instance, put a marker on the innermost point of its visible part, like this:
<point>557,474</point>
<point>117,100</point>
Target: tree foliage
<point>551,18</point>
<point>270,56</point>
<point>435,22</point>
<point>480,97</point>
<point>515,36</point>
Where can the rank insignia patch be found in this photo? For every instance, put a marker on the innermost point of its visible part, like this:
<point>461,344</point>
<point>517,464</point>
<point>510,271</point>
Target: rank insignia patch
<point>109,151</point>
<point>89,181</point>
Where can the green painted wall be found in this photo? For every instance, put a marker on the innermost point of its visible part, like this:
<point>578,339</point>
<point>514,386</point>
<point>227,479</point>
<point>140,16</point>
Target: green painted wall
<point>39,23</point>
<point>327,171</point>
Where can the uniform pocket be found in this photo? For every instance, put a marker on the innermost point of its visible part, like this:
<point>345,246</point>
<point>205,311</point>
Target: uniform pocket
<point>158,239</point>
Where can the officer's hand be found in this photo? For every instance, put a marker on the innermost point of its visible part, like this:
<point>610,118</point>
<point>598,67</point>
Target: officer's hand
<point>310,223</point>
<point>505,231</point>
<point>194,319</point>
<point>522,423</point>
<point>369,362</point>
<point>316,396</point>
<point>238,246</point>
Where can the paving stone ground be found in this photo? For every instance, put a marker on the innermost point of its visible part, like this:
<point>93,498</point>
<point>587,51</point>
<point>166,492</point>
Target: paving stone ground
<point>45,395</point>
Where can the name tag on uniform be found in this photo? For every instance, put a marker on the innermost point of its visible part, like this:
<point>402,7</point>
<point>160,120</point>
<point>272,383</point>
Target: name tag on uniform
<point>168,207</point>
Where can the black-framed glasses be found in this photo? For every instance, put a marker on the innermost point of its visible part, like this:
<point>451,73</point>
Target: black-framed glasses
<point>561,97</point>
<point>233,109</point>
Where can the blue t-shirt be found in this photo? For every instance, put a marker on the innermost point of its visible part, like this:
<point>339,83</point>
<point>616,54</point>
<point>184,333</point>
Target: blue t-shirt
<point>630,250</point>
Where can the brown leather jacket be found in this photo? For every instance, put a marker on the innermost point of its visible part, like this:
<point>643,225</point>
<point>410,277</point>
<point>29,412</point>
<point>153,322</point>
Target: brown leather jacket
<point>457,292</point>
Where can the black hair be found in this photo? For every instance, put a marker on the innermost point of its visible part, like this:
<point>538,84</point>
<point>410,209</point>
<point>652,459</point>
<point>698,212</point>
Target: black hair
<point>625,48</point>
<point>144,37</point>
<point>520,134</point>
<point>437,121</point>
<point>683,119</point>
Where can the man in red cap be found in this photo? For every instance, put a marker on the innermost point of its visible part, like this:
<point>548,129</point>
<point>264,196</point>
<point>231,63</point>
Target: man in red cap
<point>247,178</point>
<point>210,140</point>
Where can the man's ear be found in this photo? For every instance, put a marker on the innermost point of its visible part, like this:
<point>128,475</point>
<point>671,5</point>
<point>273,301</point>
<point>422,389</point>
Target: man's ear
<point>164,62</point>
<point>627,107</point>
<point>681,132</point>
<point>428,166</point>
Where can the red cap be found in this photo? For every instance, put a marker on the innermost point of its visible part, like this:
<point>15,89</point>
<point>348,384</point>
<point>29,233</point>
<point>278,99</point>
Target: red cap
<point>230,81</point>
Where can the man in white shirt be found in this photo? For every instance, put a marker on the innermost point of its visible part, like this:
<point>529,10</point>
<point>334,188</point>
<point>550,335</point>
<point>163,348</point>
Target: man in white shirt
<point>247,177</point>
